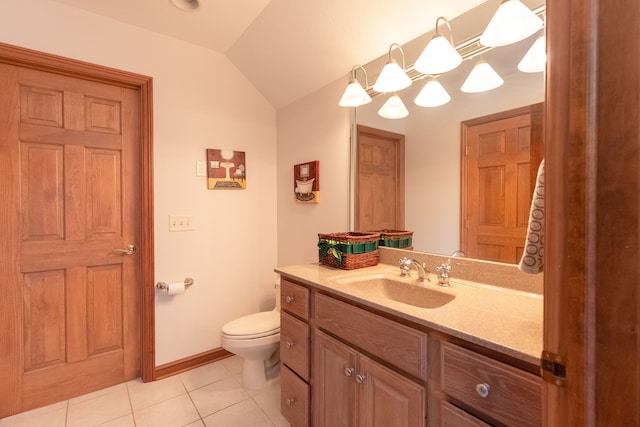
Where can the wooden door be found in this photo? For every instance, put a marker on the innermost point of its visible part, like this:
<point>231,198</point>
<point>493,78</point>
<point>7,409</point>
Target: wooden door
<point>386,398</point>
<point>334,388</point>
<point>501,154</point>
<point>380,180</point>
<point>592,212</point>
<point>69,154</point>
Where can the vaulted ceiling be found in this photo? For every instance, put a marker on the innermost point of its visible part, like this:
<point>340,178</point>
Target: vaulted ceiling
<point>287,48</point>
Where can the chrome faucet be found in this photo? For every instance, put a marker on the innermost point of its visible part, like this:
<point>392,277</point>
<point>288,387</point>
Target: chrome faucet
<point>457,253</point>
<point>443,273</point>
<point>405,269</point>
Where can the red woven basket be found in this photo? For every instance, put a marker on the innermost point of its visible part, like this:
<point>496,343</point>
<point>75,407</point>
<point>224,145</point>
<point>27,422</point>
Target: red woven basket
<point>357,250</point>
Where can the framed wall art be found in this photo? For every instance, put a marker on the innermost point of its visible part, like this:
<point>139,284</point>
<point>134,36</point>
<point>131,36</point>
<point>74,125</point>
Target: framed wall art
<point>306,182</point>
<point>226,170</point>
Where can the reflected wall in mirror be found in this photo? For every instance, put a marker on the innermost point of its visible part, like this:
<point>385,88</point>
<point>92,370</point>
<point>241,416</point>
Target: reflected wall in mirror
<point>432,134</point>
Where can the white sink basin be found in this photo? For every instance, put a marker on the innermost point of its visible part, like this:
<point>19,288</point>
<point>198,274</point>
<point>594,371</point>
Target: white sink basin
<point>395,288</point>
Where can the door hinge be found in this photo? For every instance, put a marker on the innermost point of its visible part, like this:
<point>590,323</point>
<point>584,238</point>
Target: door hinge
<point>553,368</point>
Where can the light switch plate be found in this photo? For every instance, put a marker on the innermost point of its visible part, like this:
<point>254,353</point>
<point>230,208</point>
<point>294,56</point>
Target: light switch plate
<point>201,168</point>
<point>180,222</point>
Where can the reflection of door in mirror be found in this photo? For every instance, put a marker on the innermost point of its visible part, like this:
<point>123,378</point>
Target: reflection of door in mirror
<point>379,180</point>
<point>502,154</point>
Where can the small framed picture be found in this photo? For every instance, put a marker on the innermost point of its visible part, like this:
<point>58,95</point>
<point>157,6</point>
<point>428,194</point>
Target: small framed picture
<point>226,170</point>
<point>306,182</point>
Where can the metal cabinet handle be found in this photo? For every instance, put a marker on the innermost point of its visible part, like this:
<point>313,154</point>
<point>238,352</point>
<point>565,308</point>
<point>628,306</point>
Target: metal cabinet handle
<point>360,378</point>
<point>289,344</point>
<point>130,250</point>
<point>290,401</point>
<point>289,299</point>
<point>348,371</point>
<point>483,389</point>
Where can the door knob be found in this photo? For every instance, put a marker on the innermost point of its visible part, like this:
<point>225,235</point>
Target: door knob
<point>130,250</point>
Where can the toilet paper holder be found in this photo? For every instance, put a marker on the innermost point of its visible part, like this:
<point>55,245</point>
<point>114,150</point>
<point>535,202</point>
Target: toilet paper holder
<point>163,286</point>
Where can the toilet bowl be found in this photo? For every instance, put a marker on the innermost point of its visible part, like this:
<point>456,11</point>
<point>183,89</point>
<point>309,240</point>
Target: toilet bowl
<point>256,339</point>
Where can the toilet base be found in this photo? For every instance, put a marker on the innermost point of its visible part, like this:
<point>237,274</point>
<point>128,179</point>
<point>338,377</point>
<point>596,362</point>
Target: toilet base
<point>258,373</point>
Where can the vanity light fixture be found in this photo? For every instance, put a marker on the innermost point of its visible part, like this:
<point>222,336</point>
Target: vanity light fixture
<point>512,22</point>
<point>439,56</point>
<point>481,79</point>
<point>188,5</point>
<point>355,95</point>
<point>392,78</point>
<point>535,60</point>
<point>394,108</point>
<point>432,95</point>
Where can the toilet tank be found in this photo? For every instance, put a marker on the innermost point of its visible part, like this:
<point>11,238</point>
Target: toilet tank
<point>277,288</point>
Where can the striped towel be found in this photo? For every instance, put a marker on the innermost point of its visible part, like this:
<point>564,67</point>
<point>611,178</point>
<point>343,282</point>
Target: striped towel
<point>533,256</point>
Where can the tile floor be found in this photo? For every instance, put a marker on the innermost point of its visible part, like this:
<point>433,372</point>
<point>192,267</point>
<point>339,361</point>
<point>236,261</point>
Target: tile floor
<point>209,396</point>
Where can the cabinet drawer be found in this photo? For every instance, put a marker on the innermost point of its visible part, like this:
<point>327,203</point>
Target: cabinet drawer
<point>500,391</point>
<point>397,344</point>
<point>294,344</point>
<point>294,401</point>
<point>294,298</point>
<point>452,416</point>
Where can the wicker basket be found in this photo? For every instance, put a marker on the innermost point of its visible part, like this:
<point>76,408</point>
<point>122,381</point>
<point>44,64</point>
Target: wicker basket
<point>395,238</point>
<point>349,250</point>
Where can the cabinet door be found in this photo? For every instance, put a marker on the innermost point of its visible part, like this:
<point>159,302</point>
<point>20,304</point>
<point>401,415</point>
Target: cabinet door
<point>334,388</point>
<point>386,398</point>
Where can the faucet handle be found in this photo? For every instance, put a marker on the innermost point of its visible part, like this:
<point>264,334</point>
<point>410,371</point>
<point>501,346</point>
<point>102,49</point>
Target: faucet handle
<point>405,266</point>
<point>443,273</point>
<point>444,268</point>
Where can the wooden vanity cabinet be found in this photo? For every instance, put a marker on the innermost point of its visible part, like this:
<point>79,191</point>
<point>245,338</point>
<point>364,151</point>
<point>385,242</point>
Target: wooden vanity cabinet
<point>352,389</point>
<point>343,365</point>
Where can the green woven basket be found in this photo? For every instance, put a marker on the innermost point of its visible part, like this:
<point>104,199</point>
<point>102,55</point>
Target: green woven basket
<point>349,250</point>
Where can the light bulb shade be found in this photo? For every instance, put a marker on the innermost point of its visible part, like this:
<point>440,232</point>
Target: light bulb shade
<point>438,56</point>
<point>392,78</point>
<point>535,60</point>
<point>512,22</point>
<point>432,95</point>
<point>394,108</point>
<point>354,95</point>
<point>481,79</point>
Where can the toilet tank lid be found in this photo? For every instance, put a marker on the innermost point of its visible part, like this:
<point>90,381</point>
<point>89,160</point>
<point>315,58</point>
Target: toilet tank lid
<point>264,321</point>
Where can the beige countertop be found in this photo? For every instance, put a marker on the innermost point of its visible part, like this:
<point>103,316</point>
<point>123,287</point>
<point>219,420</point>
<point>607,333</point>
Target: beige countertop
<point>505,320</point>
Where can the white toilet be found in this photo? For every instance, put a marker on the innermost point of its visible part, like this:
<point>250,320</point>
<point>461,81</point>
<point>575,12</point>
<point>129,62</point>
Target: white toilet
<point>256,339</point>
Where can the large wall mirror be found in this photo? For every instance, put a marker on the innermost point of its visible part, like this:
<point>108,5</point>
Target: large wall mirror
<point>432,134</point>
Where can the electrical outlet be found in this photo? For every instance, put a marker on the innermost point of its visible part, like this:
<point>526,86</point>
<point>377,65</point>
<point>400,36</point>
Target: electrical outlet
<point>180,222</point>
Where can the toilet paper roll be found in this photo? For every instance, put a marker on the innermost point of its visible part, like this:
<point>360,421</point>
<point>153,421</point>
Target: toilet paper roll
<point>175,288</point>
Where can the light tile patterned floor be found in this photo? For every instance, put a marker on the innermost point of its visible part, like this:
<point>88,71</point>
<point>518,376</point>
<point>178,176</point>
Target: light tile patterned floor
<point>209,396</point>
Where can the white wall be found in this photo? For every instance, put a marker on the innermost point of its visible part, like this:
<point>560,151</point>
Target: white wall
<point>314,128</point>
<point>200,101</point>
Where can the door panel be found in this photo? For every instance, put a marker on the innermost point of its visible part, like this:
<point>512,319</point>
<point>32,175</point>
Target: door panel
<point>498,182</point>
<point>74,300</point>
<point>380,180</point>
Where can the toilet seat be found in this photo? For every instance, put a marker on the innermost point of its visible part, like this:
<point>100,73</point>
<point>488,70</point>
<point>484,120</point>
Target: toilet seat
<point>255,325</point>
